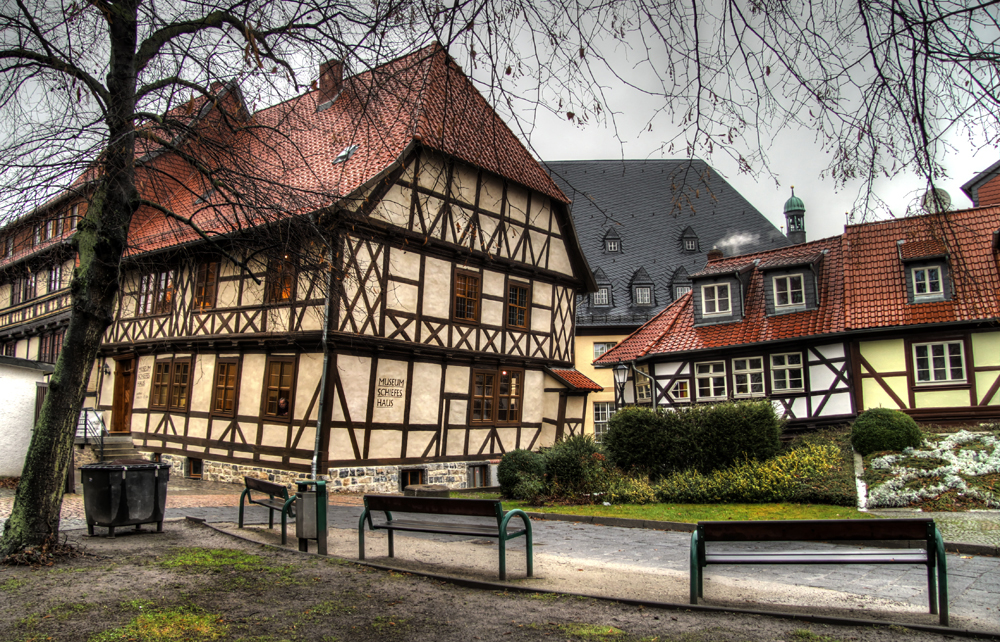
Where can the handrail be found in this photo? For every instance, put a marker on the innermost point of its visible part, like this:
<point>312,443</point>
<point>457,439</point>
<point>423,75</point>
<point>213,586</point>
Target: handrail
<point>92,429</point>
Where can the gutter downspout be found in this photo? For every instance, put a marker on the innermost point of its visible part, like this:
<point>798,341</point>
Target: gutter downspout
<point>321,408</point>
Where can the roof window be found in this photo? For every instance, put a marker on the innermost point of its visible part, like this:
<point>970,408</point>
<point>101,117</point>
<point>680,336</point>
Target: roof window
<point>345,155</point>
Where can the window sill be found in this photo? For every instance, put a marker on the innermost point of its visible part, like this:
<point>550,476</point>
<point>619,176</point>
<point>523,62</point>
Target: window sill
<point>787,391</point>
<point>789,309</point>
<point>941,385</point>
<point>927,298</point>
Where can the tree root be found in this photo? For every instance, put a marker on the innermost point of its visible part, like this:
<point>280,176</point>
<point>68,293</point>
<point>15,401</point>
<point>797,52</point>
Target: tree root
<point>45,554</point>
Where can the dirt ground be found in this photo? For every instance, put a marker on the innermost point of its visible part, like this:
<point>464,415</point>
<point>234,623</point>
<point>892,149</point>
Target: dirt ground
<point>151,586</point>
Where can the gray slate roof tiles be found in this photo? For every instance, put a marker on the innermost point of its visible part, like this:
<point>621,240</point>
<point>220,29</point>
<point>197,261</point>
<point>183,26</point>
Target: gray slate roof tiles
<point>651,204</point>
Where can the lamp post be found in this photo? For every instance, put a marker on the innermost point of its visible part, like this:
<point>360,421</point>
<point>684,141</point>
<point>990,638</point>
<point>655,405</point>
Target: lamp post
<point>621,376</point>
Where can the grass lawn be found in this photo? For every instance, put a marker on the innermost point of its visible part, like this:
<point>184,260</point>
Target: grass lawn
<point>692,513</point>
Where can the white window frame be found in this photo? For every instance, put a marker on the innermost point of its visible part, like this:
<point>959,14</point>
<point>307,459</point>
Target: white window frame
<point>713,373</point>
<point>789,291</point>
<point>743,377</point>
<point>681,290</point>
<point>674,393</point>
<point>947,353</point>
<point>643,295</point>
<point>600,347</point>
<point>926,281</point>
<point>603,412</point>
<point>602,296</point>
<point>611,245</point>
<point>716,298</point>
<point>691,245</point>
<point>643,386</point>
<point>783,369</point>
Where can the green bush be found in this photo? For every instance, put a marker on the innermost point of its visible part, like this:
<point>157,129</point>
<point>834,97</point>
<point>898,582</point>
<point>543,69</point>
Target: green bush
<point>703,437</point>
<point>574,466</point>
<point>750,481</point>
<point>519,466</point>
<point>881,429</point>
<point>626,489</point>
<point>835,486</point>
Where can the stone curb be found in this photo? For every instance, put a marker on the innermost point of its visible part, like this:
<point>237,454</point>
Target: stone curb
<point>667,606</point>
<point>623,522</point>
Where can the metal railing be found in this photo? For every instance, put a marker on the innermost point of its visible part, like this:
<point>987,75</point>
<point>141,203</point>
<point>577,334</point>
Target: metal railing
<point>90,427</point>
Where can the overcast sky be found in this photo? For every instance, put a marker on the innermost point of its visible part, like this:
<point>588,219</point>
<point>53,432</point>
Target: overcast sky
<point>795,158</point>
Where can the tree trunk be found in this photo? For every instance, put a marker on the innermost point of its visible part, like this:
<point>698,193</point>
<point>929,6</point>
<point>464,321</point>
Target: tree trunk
<point>100,241</point>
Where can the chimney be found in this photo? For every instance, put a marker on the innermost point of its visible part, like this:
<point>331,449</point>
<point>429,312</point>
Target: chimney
<point>331,76</point>
<point>715,254</point>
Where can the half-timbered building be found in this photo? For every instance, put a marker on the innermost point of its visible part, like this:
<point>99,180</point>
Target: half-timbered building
<point>899,314</point>
<point>407,321</point>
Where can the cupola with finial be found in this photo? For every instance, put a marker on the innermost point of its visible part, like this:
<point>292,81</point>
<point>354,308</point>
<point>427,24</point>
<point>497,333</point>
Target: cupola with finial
<point>795,219</point>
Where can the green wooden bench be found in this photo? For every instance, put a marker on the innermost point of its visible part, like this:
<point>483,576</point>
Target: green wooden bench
<point>439,507</point>
<point>277,500</point>
<point>832,530</point>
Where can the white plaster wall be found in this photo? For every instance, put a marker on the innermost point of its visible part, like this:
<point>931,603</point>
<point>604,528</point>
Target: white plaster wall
<point>18,399</point>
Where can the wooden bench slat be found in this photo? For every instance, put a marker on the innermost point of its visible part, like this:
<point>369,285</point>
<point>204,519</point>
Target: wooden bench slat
<point>488,530</point>
<point>433,505</point>
<point>784,558</point>
<point>816,530</point>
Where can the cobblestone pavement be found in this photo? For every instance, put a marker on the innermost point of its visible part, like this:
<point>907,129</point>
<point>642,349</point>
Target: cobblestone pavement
<point>974,581</point>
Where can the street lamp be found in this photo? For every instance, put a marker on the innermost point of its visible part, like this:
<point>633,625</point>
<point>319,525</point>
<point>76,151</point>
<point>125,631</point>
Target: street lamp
<point>621,376</point>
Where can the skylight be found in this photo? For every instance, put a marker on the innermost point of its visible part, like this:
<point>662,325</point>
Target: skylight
<point>345,155</point>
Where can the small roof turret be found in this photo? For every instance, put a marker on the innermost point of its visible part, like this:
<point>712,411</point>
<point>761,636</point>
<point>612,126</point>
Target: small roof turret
<point>794,204</point>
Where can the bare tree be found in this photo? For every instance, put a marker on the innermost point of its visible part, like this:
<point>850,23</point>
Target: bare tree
<point>95,95</point>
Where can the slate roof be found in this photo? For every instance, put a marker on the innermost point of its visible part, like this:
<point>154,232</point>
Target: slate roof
<point>673,330</point>
<point>862,286</point>
<point>650,205</point>
<point>575,379</point>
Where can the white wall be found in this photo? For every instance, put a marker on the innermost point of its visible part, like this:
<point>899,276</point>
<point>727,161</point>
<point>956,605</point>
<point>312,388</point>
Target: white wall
<point>17,397</point>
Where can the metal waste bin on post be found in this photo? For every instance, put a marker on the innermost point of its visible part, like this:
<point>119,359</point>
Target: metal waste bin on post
<point>310,515</point>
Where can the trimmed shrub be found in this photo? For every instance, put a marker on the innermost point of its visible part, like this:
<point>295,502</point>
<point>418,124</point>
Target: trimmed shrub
<point>626,489</point>
<point>881,429</point>
<point>574,466</point>
<point>703,437</point>
<point>519,466</point>
<point>749,481</point>
<point>836,486</point>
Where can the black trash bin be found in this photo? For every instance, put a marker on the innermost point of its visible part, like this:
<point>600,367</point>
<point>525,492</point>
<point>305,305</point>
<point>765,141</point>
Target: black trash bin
<point>125,494</point>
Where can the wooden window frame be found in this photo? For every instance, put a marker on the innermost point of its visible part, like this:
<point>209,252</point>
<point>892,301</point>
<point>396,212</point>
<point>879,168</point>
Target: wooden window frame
<point>597,299</point>
<point>698,376</point>
<point>50,345</point>
<point>748,371</point>
<point>281,281</point>
<point>643,385</point>
<point>649,295</point>
<point>455,296</point>
<point>173,365</point>
<point>24,289</point>
<point>214,410</point>
<point>203,299</point>
<point>605,346</point>
<point>10,348</point>
<point>405,472</point>
<point>603,412</point>
<point>512,306</point>
<point>495,397</point>
<point>681,290</point>
<point>294,362</point>
<point>929,295</point>
<point>949,381</point>
<point>674,395</point>
<point>716,298</point>
<point>478,472</point>
<point>55,277</point>
<point>789,291</point>
<point>191,466</point>
<point>155,296</point>
<point>785,367</point>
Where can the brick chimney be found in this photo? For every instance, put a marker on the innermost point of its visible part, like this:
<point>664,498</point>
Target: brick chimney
<point>715,254</point>
<point>331,77</point>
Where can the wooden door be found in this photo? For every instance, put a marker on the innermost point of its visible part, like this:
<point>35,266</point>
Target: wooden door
<point>121,409</point>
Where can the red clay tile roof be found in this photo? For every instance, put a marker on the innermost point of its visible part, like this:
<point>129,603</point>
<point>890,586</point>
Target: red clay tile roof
<point>921,249</point>
<point>775,262</point>
<point>673,330</point>
<point>875,275</point>
<point>423,98</point>
<point>725,266</point>
<point>575,379</point>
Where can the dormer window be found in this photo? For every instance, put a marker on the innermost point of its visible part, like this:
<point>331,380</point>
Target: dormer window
<point>681,290</point>
<point>689,240</point>
<point>643,296</point>
<point>690,245</point>
<point>789,291</point>
<point>612,242</point>
<point>602,297</point>
<point>927,283</point>
<point>715,299</point>
<point>611,245</point>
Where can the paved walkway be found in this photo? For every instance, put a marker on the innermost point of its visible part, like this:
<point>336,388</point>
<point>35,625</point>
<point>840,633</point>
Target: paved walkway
<point>974,580</point>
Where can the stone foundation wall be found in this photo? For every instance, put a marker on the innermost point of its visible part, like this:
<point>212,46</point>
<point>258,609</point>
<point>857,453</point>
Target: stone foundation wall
<point>362,479</point>
<point>83,455</point>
